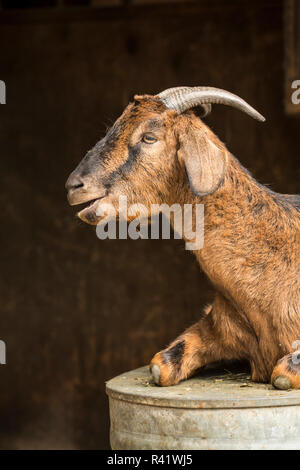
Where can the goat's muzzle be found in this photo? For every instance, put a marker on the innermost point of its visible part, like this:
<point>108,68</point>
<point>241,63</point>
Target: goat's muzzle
<point>81,192</point>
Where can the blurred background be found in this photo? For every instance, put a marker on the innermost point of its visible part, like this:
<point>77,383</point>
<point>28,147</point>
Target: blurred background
<point>77,311</point>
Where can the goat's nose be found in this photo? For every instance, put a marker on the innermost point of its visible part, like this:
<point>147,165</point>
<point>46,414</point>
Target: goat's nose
<point>74,182</point>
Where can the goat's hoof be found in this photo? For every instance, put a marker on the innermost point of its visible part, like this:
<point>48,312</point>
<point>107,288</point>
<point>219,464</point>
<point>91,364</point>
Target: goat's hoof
<point>282,383</point>
<point>162,373</point>
<point>155,371</point>
<point>286,374</point>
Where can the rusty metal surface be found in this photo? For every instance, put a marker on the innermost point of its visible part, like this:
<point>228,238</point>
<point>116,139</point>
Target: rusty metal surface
<point>217,410</point>
<point>219,389</point>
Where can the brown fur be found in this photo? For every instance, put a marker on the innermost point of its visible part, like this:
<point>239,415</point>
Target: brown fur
<point>287,368</point>
<point>251,249</point>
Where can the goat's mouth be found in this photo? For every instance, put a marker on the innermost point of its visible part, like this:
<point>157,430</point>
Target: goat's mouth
<point>88,213</point>
<point>89,203</point>
<point>91,213</point>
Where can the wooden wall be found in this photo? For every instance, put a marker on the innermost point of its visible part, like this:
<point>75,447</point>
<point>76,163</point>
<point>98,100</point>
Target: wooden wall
<point>76,311</point>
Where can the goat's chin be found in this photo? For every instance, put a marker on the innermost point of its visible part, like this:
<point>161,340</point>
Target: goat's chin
<point>97,210</point>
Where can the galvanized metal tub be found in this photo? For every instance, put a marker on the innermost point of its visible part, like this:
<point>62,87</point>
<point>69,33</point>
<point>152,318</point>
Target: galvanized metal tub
<point>217,410</point>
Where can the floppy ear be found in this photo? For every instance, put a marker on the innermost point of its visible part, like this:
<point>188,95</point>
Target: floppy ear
<point>204,161</point>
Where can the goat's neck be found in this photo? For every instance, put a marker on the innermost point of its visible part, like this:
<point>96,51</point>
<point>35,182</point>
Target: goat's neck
<point>230,214</point>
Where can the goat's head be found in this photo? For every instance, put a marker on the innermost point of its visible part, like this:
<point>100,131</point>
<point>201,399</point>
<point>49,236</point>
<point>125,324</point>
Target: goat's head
<point>150,149</point>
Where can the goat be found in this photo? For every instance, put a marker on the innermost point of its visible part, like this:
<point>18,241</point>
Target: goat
<point>160,151</point>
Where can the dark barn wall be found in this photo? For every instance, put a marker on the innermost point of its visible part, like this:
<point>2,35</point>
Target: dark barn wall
<point>77,311</point>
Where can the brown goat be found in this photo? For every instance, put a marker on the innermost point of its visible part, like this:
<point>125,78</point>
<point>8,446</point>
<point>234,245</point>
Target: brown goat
<point>158,152</point>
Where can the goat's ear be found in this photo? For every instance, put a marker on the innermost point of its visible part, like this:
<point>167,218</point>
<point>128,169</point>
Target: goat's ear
<point>204,160</point>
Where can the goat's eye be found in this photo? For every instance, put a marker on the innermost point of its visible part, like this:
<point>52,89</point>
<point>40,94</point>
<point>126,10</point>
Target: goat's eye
<point>148,139</point>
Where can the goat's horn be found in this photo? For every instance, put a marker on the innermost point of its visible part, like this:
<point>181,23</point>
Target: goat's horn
<point>183,98</point>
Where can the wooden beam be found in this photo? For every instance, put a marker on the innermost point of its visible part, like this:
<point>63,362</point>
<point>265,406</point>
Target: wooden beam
<point>146,11</point>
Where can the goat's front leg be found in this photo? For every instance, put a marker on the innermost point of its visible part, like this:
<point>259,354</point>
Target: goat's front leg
<point>180,359</point>
<point>219,335</point>
<point>286,373</point>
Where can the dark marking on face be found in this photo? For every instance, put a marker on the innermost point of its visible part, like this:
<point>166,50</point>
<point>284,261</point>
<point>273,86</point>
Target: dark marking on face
<point>111,141</point>
<point>101,151</point>
<point>122,170</point>
<point>174,355</point>
<point>101,156</point>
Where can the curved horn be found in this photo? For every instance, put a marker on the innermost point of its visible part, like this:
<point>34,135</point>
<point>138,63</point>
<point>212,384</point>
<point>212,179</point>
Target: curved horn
<point>183,98</point>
